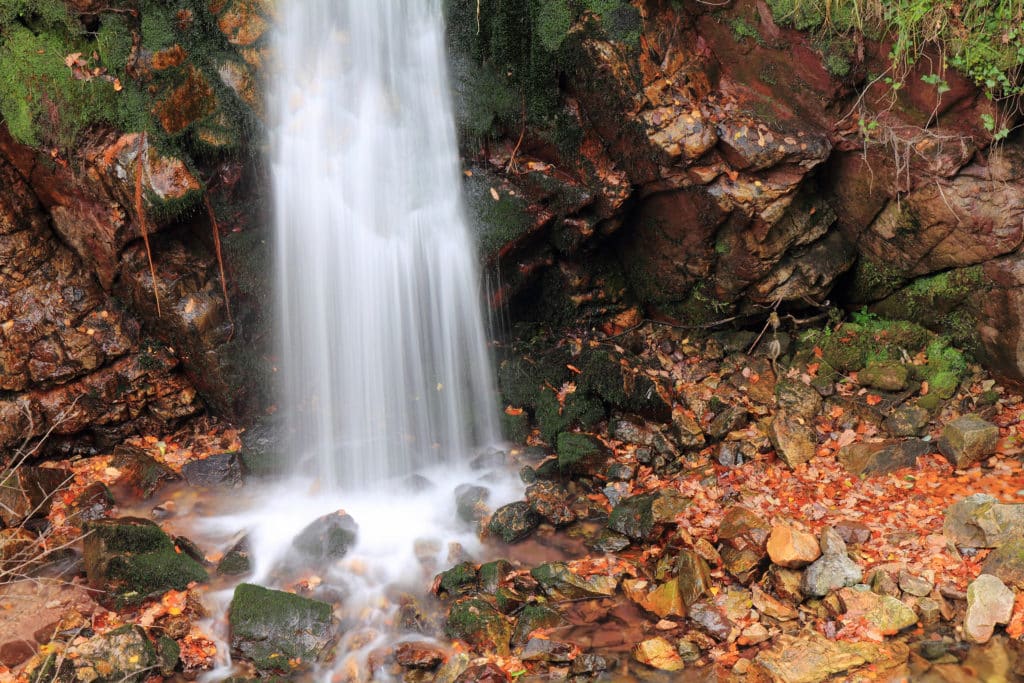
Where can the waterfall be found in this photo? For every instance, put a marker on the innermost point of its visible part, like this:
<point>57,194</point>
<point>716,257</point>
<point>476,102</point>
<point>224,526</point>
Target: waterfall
<point>383,360</point>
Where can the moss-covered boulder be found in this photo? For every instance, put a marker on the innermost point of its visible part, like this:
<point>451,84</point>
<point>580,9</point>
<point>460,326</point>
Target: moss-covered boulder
<point>533,617</point>
<point>462,578</point>
<point>480,624</point>
<point>581,454</point>
<point>278,631</point>
<point>132,559</point>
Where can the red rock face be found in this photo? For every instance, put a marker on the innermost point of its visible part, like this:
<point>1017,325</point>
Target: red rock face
<point>70,356</point>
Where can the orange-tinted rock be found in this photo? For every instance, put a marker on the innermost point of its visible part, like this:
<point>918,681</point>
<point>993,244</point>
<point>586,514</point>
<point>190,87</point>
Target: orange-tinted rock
<point>243,22</point>
<point>188,102</point>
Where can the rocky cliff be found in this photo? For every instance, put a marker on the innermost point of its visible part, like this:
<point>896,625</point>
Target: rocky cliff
<point>668,159</point>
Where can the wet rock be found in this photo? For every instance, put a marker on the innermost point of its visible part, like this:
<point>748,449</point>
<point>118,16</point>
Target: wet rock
<point>1007,563</point>
<point>608,541</point>
<point>450,671</point>
<point>883,583</point>
<point>743,536</point>
<point>124,654</point>
<point>492,574</point>
<point>588,663</point>
<point>415,654</point>
<point>560,583</point>
<point>793,438</point>
<point>94,502</point>
<point>278,631</point>
<point>914,585</point>
<point>810,657</point>
<point>533,617</point>
<point>132,559</point>
<point>770,606</point>
<point>834,569</point>
<point>659,654</point>
<point>989,602</point>
<point>664,600</point>
<point>729,420</point>
<point>667,505</point>
<point>620,472</point>
<point>792,548</point>
<point>981,521</point>
<point>220,469</point>
<point>236,560</point>
<point>884,376</point>
<point>471,502</point>
<point>634,517</point>
<point>786,583</point>
<point>882,457</point>
<point>489,459</point>
<point>693,577</point>
<point>885,613</point>
<point>327,538</point>
<point>712,620</point>
<point>730,454</point>
<point>483,673</point>
<point>462,578</point>
<point>907,420</point>
<point>545,650</point>
<point>550,501</point>
<point>513,522</point>
<point>141,471</point>
<point>20,551</point>
<point>580,454</point>
<point>478,623</point>
<point>968,439</point>
<point>27,491</point>
<point>928,612</point>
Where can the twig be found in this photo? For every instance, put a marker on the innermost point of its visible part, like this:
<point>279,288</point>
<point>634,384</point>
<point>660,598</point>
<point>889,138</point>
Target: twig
<point>220,260</point>
<point>140,216</point>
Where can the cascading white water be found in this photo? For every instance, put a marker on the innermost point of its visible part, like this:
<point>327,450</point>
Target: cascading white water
<point>383,360</point>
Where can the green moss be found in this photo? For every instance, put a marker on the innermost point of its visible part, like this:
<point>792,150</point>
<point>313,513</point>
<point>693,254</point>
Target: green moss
<point>741,30</point>
<point>462,578</point>
<point>34,12</point>
<point>579,410</point>
<point>578,453</point>
<point>273,629</point>
<point>873,280</point>
<point>478,623</point>
<point>553,23</point>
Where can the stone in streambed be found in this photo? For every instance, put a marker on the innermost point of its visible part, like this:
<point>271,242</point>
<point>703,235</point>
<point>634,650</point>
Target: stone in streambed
<point>132,559</point>
<point>122,655</point>
<point>418,655</point>
<point>236,560</point>
<point>693,577</point>
<point>742,535</point>
<point>811,657</point>
<point>220,469</point>
<point>513,522</point>
<point>545,650</point>
<point>533,617</point>
<point>634,517</point>
<point>462,578</point>
<point>792,437</point>
<point>471,502</point>
<point>907,420</point>
<point>560,583</point>
<point>1007,563</point>
<point>834,569</point>
<point>478,623</point>
<point>327,538</point>
<point>914,585</point>
<point>278,631</point>
<point>580,454</point>
<point>885,613</point>
<point>882,457</point>
<point>492,574</point>
<point>981,521</point>
<point>989,602</point>
<point>792,548</point>
<point>550,501</point>
<point>968,439</point>
<point>659,654</point>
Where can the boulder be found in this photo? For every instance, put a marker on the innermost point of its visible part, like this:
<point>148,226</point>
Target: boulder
<point>791,548</point>
<point>882,457</point>
<point>968,439</point>
<point>634,516</point>
<point>513,522</point>
<point>131,560</point>
<point>1007,563</point>
<point>278,631</point>
<point>326,538</point>
<point>478,623</point>
<point>124,654</point>
<point>550,501</point>
<point>471,502</point>
<point>885,613</point>
<point>811,657</point>
<point>989,602</point>
<point>793,438</point>
<point>560,583</point>
<point>658,653</point>
<point>533,617</point>
<point>219,469</point>
<point>981,521</point>
<point>884,376</point>
<point>580,454</point>
<point>743,536</point>
<point>834,569</point>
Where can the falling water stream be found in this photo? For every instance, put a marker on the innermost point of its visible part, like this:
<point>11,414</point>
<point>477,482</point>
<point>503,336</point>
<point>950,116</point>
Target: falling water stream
<point>385,373</point>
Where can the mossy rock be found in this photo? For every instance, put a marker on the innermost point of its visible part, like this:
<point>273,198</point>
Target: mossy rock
<point>492,574</point>
<point>132,560</point>
<point>533,617</point>
<point>480,624</point>
<point>602,374</point>
<point>523,378</point>
<point>580,454</point>
<point>278,631</point>
<point>579,409</point>
<point>462,578</point>
<point>513,522</point>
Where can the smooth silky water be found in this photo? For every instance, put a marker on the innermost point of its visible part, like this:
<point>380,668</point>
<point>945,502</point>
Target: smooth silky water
<point>383,364</point>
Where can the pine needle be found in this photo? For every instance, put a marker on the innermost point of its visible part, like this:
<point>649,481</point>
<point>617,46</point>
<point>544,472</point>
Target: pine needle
<point>220,258</point>
<point>140,217</point>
